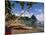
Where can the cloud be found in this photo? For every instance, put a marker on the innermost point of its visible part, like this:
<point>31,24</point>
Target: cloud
<point>39,14</point>
<point>39,10</point>
<point>16,14</point>
<point>26,13</point>
<point>36,9</point>
<point>40,17</point>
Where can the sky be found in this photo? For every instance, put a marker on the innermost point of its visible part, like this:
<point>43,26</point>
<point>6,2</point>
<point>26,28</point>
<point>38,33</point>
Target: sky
<point>36,9</point>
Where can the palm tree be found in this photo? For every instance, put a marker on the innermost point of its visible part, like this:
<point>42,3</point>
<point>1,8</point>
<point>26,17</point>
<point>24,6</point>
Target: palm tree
<point>7,7</point>
<point>29,5</point>
<point>8,13</point>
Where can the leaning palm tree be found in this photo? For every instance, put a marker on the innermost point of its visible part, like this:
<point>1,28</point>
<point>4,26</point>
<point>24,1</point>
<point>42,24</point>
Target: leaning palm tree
<point>22,6</point>
<point>29,5</point>
<point>16,22</point>
<point>8,13</point>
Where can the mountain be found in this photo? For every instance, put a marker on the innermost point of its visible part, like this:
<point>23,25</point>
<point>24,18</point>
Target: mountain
<point>28,21</point>
<point>25,22</point>
<point>33,19</point>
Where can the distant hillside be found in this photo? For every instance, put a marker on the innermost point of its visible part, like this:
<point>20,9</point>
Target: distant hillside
<point>28,21</point>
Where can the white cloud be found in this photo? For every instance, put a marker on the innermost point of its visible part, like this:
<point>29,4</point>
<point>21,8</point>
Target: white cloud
<point>39,10</point>
<point>23,15</point>
<point>40,17</point>
<point>31,14</point>
<point>27,14</point>
<point>22,11</point>
<point>36,9</point>
<point>17,14</point>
